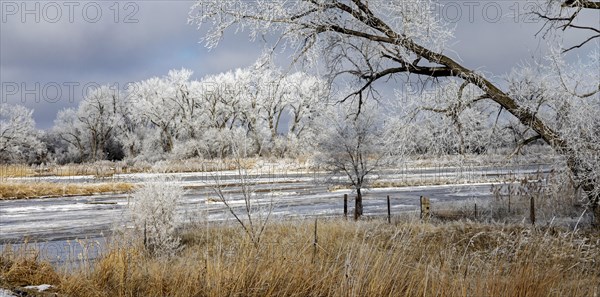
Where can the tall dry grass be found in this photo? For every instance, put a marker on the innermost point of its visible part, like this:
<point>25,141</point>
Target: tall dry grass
<point>352,259</point>
<point>98,169</point>
<point>106,169</point>
<point>9,170</point>
<point>24,190</point>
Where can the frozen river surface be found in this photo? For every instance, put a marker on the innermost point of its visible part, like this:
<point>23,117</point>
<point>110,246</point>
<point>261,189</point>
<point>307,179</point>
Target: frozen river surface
<point>291,194</point>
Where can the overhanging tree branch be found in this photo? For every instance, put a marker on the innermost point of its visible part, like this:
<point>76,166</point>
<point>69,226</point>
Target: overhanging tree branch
<point>582,4</point>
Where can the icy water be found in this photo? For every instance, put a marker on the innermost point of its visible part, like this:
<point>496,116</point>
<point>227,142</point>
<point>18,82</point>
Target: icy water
<point>55,224</point>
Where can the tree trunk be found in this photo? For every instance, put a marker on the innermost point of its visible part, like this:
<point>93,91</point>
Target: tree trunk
<point>358,205</point>
<point>168,141</point>
<point>594,199</point>
<point>596,212</point>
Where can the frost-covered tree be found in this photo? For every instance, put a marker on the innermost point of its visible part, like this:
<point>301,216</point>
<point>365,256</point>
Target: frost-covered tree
<point>71,133</point>
<point>88,133</point>
<point>19,139</point>
<point>153,210</point>
<point>308,95</point>
<point>97,114</point>
<point>167,105</point>
<point>225,104</point>
<point>263,100</point>
<point>353,145</point>
<point>129,131</point>
<point>371,41</point>
<point>302,98</point>
<point>444,120</point>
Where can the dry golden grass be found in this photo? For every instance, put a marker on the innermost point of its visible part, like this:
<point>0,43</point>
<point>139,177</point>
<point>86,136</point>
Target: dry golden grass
<point>102,169</point>
<point>405,183</point>
<point>16,171</point>
<point>25,269</point>
<point>352,259</point>
<point>24,190</point>
<point>200,165</point>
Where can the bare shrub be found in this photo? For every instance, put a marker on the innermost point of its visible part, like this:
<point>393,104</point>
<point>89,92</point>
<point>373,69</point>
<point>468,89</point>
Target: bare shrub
<point>154,215</point>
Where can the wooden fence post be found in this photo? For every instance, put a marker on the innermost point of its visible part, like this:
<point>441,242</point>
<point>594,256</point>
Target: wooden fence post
<point>345,206</point>
<point>476,211</point>
<point>509,195</point>
<point>145,236</point>
<point>425,208</point>
<point>315,243</point>
<point>389,210</point>
<point>532,211</point>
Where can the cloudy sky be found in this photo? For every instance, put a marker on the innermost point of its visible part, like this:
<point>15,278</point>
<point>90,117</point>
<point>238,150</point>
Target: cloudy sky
<point>50,51</point>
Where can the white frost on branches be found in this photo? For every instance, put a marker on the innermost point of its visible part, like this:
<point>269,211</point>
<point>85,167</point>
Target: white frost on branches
<point>19,139</point>
<point>153,210</point>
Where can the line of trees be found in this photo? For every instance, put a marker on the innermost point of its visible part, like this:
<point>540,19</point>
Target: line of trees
<point>175,117</point>
<point>270,112</point>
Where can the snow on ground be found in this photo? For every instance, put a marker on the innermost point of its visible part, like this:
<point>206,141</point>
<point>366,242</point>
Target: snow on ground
<point>39,288</point>
<point>9,293</point>
<point>6,293</point>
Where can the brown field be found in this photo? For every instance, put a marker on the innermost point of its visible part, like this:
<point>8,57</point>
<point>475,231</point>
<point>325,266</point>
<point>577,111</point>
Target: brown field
<point>368,258</point>
<point>24,190</point>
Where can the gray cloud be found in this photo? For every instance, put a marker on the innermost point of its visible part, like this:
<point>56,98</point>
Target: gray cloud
<point>35,55</point>
<point>116,52</point>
